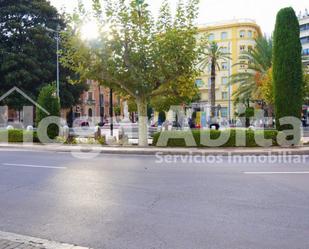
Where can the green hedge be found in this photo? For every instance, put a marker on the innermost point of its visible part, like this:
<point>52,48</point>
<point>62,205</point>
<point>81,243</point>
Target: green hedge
<point>16,136</point>
<point>214,134</point>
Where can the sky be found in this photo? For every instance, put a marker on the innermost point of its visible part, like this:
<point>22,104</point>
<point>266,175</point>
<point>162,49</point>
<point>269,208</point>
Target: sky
<point>262,11</point>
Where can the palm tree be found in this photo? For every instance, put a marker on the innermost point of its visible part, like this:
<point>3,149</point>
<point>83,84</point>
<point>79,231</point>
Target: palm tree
<point>257,62</point>
<point>212,54</point>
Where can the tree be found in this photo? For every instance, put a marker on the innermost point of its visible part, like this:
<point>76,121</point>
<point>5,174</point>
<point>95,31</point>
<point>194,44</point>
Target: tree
<point>48,100</point>
<point>27,49</point>
<point>70,93</point>
<point>211,57</point>
<point>257,63</point>
<point>137,55</point>
<point>287,66</point>
<point>266,87</point>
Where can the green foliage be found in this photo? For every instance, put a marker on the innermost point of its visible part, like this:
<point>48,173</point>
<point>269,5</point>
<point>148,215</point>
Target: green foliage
<point>214,134</point>
<point>117,110</point>
<point>258,62</point>
<point>138,56</point>
<point>48,100</point>
<point>71,91</point>
<point>27,49</point>
<point>287,66</point>
<point>17,136</point>
<point>132,105</point>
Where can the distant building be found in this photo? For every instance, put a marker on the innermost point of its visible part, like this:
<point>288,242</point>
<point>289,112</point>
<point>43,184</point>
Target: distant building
<point>94,103</point>
<point>304,35</point>
<point>234,37</point>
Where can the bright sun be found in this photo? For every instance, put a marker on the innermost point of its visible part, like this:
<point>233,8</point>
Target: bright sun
<point>90,31</point>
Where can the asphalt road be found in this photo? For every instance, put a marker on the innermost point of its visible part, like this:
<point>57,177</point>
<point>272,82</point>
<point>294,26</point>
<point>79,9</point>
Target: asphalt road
<point>132,202</point>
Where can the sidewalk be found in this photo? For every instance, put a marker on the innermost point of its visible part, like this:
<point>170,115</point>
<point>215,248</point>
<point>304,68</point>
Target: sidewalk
<point>16,241</point>
<point>134,150</point>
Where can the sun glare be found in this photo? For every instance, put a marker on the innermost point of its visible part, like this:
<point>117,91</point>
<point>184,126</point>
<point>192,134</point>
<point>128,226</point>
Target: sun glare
<point>90,31</point>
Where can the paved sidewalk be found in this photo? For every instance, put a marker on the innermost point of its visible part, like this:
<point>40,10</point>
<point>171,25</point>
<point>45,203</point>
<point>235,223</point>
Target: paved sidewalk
<point>135,150</point>
<point>15,241</point>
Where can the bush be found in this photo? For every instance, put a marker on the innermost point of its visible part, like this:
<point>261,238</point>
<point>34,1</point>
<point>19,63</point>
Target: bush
<point>49,102</point>
<point>16,136</point>
<point>214,134</point>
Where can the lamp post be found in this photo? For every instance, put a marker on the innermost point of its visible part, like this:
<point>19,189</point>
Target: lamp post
<point>229,87</point>
<point>139,4</point>
<point>58,70</point>
<point>111,111</point>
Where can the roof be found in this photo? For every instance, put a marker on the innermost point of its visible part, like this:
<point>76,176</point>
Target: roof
<point>230,24</point>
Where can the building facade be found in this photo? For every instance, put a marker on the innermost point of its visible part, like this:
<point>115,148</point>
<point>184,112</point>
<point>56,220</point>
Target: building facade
<point>233,37</point>
<point>304,35</point>
<point>95,103</point>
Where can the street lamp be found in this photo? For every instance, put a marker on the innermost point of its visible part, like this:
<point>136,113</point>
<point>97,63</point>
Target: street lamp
<point>139,5</point>
<point>58,70</point>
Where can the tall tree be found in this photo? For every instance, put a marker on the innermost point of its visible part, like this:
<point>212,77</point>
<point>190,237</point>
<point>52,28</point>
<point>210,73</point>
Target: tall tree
<point>27,49</point>
<point>212,55</point>
<point>137,55</point>
<point>287,66</point>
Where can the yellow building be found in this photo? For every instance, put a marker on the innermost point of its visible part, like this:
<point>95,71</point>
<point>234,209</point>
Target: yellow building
<point>234,37</point>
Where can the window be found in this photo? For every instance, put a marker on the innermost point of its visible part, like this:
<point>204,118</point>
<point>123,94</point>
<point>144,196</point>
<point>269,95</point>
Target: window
<point>304,27</point>
<point>90,96</point>
<point>211,37</point>
<point>224,66</point>
<point>224,112</point>
<point>250,48</point>
<point>224,96</point>
<point>250,34</point>
<point>101,98</point>
<point>304,40</point>
<point>306,51</point>
<point>242,65</point>
<point>224,80</point>
<point>242,48</point>
<point>199,83</point>
<point>89,112</point>
<point>242,34</point>
<point>224,35</point>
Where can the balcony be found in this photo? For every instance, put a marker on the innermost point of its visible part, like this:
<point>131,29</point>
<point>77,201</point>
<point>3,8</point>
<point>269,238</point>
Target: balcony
<point>90,102</point>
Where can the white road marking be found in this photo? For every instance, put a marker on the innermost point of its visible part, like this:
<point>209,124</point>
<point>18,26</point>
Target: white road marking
<point>32,166</point>
<point>277,173</point>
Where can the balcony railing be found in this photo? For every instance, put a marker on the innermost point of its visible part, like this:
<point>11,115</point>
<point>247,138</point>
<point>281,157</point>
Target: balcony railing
<point>90,102</point>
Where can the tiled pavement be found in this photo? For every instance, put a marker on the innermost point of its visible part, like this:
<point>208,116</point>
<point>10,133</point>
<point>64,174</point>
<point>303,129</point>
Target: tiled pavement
<point>16,241</point>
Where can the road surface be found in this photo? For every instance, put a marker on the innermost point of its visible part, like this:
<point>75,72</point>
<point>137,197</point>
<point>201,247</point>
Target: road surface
<point>133,202</point>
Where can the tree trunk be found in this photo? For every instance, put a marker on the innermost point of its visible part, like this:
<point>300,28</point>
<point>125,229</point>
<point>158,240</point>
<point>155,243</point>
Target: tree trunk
<point>142,123</point>
<point>213,89</point>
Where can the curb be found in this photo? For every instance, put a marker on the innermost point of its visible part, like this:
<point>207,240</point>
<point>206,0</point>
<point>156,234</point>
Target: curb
<point>149,151</point>
<point>27,241</point>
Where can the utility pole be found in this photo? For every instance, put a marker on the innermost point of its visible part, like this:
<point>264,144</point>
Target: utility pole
<point>58,70</point>
<point>111,114</point>
<point>229,89</point>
